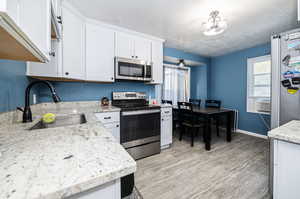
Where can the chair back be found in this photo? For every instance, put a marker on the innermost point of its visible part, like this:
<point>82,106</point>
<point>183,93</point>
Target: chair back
<point>213,104</point>
<point>167,102</point>
<point>185,111</point>
<point>195,102</point>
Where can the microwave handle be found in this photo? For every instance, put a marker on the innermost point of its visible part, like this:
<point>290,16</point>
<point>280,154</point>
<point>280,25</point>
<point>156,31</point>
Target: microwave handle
<point>145,71</point>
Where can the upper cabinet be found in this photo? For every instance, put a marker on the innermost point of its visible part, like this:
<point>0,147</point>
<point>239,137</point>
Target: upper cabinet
<point>73,44</point>
<point>157,62</point>
<point>87,49</point>
<point>100,53</point>
<point>132,47</point>
<point>25,29</point>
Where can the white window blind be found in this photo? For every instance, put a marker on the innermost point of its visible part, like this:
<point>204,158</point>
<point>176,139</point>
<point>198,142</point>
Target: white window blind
<point>259,85</point>
<point>176,85</point>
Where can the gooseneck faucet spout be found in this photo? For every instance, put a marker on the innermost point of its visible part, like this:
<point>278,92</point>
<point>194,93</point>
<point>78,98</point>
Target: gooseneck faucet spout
<point>27,115</point>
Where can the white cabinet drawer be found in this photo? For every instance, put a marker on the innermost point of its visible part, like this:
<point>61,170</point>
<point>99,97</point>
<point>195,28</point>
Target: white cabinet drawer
<point>108,117</point>
<point>114,128</point>
<point>166,112</point>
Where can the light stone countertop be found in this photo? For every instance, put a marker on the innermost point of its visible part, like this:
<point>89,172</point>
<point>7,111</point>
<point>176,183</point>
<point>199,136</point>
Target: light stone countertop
<point>289,132</point>
<point>58,162</point>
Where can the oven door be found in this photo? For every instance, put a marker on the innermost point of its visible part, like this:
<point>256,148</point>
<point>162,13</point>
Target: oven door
<point>140,127</point>
<point>129,69</point>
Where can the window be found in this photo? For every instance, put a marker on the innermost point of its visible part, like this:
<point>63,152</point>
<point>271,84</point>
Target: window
<point>176,83</point>
<point>259,85</point>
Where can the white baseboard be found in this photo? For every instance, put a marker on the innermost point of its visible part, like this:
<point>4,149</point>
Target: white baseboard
<point>252,134</point>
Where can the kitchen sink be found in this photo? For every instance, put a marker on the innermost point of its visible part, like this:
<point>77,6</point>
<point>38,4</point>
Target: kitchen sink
<point>60,121</point>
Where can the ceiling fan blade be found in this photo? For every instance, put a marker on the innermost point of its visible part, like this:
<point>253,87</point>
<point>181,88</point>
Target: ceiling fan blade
<point>193,63</point>
<point>173,60</point>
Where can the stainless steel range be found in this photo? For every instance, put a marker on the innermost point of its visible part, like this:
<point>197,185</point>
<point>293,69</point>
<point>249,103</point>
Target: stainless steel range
<point>140,124</point>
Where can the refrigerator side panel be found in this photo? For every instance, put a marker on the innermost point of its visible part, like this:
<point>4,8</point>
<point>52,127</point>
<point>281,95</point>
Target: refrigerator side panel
<point>289,103</point>
<point>275,104</point>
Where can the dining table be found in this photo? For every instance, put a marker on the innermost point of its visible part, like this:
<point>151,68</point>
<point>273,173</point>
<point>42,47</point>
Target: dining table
<point>208,114</point>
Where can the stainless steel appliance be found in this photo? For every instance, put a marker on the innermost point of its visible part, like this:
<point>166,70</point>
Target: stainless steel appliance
<point>140,124</point>
<point>132,69</point>
<point>285,77</point>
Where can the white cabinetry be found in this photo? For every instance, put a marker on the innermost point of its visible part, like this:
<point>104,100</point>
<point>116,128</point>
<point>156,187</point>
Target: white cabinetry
<point>142,48</point>
<point>130,46</point>
<point>51,69</point>
<point>286,164</point>
<point>111,190</point>
<point>25,30</point>
<point>166,127</point>
<point>111,121</point>
<point>157,61</point>
<point>100,53</point>
<point>73,44</point>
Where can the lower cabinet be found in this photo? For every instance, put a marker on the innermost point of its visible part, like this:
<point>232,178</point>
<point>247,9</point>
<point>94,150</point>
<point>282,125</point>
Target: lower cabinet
<point>166,127</point>
<point>111,190</point>
<point>111,121</point>
<point>286,170</point>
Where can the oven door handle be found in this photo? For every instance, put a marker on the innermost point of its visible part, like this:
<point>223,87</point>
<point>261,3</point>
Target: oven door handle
<point>144,112</point>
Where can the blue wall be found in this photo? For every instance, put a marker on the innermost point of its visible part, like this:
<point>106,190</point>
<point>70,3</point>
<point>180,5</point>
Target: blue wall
<point>12,84</point>
<point>228,82</point>
<point>199,74</point>
<point>80,91</point>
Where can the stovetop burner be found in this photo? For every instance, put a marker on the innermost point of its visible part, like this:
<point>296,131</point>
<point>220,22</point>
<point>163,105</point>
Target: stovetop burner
<point>131,101</point>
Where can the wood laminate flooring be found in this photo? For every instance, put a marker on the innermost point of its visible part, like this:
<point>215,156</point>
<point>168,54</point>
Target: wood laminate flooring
<point>236,170</point>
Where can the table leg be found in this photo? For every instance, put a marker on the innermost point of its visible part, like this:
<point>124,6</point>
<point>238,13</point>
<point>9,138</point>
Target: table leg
<point>208,134</point>
<point>228,130</point>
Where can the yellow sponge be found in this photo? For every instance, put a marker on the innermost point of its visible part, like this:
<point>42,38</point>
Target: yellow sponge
<point>48,118</point>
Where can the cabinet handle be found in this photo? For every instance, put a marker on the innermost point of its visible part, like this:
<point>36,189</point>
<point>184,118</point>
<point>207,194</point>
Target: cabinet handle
<point>136,57</point>
<point>52,54</point>
<point>107,118</point>
<point>132,56</point>
<point>167,112</point>
<point>67,73</point>
<point>112,78</point>
<point>117,125</point>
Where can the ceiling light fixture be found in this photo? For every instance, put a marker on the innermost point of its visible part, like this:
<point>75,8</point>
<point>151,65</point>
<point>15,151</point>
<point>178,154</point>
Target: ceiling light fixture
<point>215,24</point>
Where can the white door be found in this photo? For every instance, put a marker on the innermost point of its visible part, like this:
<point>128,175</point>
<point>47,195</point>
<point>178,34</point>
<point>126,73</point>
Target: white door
<point>13,9</point>
<point>157,61</point>
<point>73,45</point>
<point>286,170</point>
<point>142,49</point>
<point>114,128</point>
<point>35,21</point>
<point>124,45</point>
<point>100,53</point>
<point>53,68</point>
<point>166,131</point>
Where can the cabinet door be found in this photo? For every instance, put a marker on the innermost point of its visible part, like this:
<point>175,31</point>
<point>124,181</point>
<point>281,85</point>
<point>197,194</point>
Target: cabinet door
<point>124,45</point>
<point>73,45</point>
<point>35,21</point>
<point>99,53</point>
<point>286,170</point>
<point>114,128</point>
<point>142,49</point>
<point>157,61</point>
<point>53,68</point>
<point>166,131</point>
<point>13,9</point>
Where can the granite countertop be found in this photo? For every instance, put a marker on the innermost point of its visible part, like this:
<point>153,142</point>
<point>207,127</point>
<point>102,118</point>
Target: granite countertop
<point>59,162</point>
<point>289,132</point>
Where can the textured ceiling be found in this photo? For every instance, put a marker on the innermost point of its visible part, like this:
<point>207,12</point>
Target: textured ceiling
<point>251,22</point>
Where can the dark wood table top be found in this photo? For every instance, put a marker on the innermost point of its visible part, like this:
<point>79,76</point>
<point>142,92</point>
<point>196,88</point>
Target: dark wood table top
<point>208,111</point>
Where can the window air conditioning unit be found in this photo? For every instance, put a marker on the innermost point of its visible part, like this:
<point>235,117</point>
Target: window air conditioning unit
<point>263,106</point>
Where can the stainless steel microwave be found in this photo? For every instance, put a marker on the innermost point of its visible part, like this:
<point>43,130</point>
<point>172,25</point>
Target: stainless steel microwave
<point>132,69</point>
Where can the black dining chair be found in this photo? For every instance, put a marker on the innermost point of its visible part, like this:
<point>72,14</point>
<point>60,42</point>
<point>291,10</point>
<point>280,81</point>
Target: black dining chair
<point>195,102</point>
<point>166,102</point>
<point>214,104</point>
<point>188,120</point>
